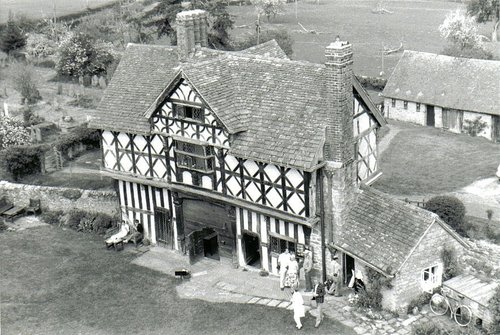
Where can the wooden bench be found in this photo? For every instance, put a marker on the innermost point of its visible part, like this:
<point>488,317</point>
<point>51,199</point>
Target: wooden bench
<point>13,213</point>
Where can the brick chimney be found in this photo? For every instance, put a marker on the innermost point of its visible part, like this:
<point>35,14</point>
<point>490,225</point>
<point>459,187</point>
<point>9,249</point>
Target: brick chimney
<point>339,134</point>
<point>191,32</point>
<point>339,174</point>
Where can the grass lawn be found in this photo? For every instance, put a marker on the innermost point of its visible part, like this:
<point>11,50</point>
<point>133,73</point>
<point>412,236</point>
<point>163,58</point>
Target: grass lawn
<point>38,9</point>
<point>415,23</point>
<point>425,160</point>
<point>56,281</point>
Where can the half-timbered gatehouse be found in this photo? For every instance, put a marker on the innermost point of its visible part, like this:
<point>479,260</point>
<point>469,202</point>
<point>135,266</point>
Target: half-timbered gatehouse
<point>238,154</point>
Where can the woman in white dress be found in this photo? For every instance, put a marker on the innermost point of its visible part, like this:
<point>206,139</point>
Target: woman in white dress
<point>298,308</point>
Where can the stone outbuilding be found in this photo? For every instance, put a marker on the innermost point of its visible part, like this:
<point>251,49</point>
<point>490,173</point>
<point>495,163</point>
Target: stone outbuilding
<point>445,92</point>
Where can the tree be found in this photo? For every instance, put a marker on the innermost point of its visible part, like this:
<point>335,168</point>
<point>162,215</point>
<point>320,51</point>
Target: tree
<point>282,37</point>
<point>484,11</point>
<point>474,127</point>
<point>451,210</point>
<point>24,80</point>
<point>12,133</point>
<point>461,31</point>
<point>81,55</point>
<point>269,7</point>
<point>220,23</point>
<point>11,37</point>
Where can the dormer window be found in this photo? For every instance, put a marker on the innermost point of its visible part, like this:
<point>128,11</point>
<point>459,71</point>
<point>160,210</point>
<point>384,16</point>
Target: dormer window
<point>188,112</point>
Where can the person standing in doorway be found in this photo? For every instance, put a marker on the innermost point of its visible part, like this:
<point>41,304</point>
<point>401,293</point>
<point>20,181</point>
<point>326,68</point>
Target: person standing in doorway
<point>298,307</point>
<point>308,265</point>
<point>335,271</point>
<point>283,260</point>
<point>319,297</point>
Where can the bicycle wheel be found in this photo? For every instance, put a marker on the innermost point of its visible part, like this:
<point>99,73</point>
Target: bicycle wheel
<point>463,315</point>
<point>438,304</point>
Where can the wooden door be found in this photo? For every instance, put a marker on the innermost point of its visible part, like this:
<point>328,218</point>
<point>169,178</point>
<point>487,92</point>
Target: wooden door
<point>430,116</point>
<point>495,131</point>
<point>163,227</point>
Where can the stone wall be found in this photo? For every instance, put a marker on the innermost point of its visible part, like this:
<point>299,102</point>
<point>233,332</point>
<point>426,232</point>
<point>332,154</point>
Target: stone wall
<point>407,285</point>
<point>60,198</point>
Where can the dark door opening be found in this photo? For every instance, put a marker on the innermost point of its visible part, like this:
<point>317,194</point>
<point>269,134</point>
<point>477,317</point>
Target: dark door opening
<point>211,246</point>
<point>251,245</point>
<point>348,269</point>
<point>430,116</point>
<point>163,227</point>
<point>495,133</point>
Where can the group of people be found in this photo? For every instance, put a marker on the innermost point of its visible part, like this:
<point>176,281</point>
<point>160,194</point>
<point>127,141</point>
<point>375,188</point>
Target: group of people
<point>288,268</point>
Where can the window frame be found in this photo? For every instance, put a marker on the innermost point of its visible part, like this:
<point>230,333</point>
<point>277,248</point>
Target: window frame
<point>417,108</point>
<point>434,278</point>
<point>405,104</point>
<point>179,110</point>
<point>393,102</point>
<point>198,157</point>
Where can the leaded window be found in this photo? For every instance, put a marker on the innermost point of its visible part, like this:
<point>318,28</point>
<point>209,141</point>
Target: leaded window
<point>195,157</point>
<point>279,246</point>
<point>188,112</point>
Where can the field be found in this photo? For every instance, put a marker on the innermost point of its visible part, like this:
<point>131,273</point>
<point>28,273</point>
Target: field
<point>39,9</point>
<point>414,23</point>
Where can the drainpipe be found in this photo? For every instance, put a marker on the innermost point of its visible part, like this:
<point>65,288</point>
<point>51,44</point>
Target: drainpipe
<point>322,225</point>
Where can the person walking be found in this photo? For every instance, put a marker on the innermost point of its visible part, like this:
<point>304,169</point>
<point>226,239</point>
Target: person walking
<point>308,265</point>
<point>319,297</point>
<point>298,307</point>
<point>283,260</point>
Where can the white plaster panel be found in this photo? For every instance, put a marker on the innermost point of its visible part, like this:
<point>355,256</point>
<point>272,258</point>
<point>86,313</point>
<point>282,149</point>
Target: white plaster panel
<point>186,178</point>
<point>255,222</point>
<point>263,229</point>
<point>272,172</point>
<point>273,225</point>
<point>245,219</point>
<point>274,265</point>
<point>294,178</point>
<point>281,227</point>
<point>206,182</point>
<point>295,204</point>
<point>265,258</point>
<point>301,237</point>
<point>141,144</point>
<point>156,144</point>
<point>251,167</point>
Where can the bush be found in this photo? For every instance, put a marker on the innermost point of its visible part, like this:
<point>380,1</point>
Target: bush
<point>22,161</point>
<point>494,305</point>
<point>31,118</point>
<point>25,82</point>
<point>3,226</point>
<point>82,134</point>
<point>372,297</point>
<point>474,127</point>
<point>375,83</point>
<point>13,133</point>
<point>427,328</point>
<point>51,217</point>
<point>39,46</point>
<point>451,210</point>
<point>72,194</point>
<point>421,300</point>
<point>282,37</point>
<point>450,263</point>
<point>80,55</point>
<point>90,222</point>
<point>11,36</point>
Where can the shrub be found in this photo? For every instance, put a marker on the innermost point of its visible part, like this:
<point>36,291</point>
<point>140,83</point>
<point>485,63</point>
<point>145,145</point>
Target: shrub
<point>11,36</point>
<point>80,55</point>
<point>103,222</point>
<point>376,83</point>
<point>13,133</point>
<point>372,297</point>
<point>450,263</point>
<point>25,82</point>
<point>474,127</point>
<point>3,226</point>
<point>427,328</point>
<point>75,217</point>
<point>494,306</point>
<point>51,217</point>
<point>421,300</point>
<point>282,37</point>
<point>30,118</point>
<point>72,194</point>
<point>451,210</point>
<point>22,161</point>
<point>82,134</point>
<point>39,46</point>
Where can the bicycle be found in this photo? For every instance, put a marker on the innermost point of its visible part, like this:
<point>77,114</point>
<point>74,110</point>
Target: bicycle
<point>440,303</point>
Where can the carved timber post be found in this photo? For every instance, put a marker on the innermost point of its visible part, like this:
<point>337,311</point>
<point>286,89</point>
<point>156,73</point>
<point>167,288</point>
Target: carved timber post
<point>181,238</point>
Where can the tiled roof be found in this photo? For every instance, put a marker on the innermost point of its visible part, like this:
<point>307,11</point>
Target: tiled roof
<point>450,82</point>
<point>383,231</point>
<point>274,107</point>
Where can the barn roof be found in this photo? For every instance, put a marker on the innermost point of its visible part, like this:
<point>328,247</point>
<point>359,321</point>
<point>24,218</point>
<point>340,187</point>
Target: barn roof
<point>383,231</point>
<point>284,99</point>
<point>450,82</point>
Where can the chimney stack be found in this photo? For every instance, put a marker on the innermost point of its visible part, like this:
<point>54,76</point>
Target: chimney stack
<point>191,32</point>
<point>339,145</point>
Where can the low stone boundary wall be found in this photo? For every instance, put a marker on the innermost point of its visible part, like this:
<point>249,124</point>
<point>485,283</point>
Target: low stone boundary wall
<point>61,198</point>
